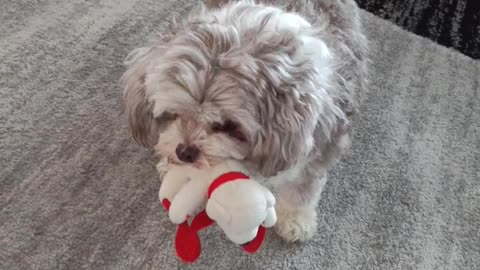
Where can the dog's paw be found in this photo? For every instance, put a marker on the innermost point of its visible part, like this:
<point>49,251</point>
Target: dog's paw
<point>296,224</point>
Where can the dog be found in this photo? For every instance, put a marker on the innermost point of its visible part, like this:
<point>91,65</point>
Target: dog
<point>273,84</point>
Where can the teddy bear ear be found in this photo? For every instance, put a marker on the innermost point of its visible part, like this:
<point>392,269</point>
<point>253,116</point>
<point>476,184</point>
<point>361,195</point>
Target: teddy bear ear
<point>217,212</point>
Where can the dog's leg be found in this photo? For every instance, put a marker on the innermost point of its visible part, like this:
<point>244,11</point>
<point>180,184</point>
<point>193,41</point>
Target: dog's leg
<point>296,206</point>
<point>298,195</point>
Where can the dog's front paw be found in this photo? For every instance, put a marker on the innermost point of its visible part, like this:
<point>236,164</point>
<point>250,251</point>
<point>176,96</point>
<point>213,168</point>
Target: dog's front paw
<point>295,224</point>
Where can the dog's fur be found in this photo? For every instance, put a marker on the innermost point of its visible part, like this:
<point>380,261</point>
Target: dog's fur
<point>287,80</point>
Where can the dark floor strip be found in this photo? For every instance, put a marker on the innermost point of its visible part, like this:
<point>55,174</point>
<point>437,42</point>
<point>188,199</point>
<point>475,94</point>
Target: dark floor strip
<point>452,23</point>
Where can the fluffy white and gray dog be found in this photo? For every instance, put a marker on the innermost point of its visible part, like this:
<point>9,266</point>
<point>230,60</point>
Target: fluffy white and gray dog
<point>274,84</point>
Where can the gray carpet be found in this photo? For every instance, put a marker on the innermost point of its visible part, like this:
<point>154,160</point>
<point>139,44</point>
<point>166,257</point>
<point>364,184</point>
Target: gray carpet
<point>77,193</point>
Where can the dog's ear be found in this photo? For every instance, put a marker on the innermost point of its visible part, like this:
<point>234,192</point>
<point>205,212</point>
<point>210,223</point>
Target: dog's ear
<point>296,113</point>
<point>286,137</point>
<point>142,124</point>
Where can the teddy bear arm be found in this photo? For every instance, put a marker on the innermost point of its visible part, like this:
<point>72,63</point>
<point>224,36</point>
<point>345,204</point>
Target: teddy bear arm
<point>191,197</point>
<point>271,218</point>
<point>172,183</point>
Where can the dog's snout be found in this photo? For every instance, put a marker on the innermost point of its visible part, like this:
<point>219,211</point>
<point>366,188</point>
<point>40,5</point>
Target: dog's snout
<point>187,153</point>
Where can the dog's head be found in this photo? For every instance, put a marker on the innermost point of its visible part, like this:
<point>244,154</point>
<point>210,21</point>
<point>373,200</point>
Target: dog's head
<point>212,91</point>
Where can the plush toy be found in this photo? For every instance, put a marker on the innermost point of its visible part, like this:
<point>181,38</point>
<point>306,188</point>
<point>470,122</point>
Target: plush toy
<point>242,207</point>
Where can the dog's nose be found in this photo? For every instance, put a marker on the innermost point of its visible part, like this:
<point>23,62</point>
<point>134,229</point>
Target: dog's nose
<point>187,153</point>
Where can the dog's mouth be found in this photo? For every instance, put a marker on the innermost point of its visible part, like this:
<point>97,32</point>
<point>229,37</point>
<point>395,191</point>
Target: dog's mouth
<point>201,163</point>
<point>172,160</point>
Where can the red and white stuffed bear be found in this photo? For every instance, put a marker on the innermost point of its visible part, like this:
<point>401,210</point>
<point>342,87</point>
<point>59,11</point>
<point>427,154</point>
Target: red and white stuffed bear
<point>195,199</point>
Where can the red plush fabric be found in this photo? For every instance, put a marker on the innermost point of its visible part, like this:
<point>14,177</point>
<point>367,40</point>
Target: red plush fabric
<point>187,242</point>
<point>201,221</point>
<point>255,244</point>
<point>224,178</point>
<point>166,204</point>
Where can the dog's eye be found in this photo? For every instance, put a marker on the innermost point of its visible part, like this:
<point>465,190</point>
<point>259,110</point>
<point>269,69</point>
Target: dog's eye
<point>227,126</point>
<point>168,117</point>
<point>230,128</point>
<point>217,127</point>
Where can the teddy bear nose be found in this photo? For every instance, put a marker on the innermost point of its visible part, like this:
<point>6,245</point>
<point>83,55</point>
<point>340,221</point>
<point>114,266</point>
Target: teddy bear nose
<point>187,153</point>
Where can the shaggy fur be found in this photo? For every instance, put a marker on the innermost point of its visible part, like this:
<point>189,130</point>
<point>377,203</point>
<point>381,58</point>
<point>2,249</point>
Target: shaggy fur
<point>274,86</point>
